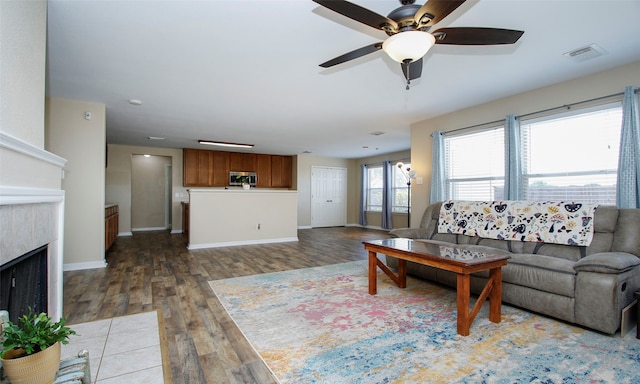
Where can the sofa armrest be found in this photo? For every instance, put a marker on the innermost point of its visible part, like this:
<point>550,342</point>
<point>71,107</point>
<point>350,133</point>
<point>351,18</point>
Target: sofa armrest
<point>409,233</point>
<point>607,262</point>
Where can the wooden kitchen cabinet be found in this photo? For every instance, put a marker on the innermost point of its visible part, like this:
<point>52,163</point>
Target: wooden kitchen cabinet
<point>196,167</point>
<point>185,220</point>
<point>281,171</point>
<point>206,168</point>
<point>263,171</point>
<point>287,171</point>
<point>190,167</point>
<point>220,169</point>
<point>202,168</point>
<point>243,162</point>
<point>111,218</point>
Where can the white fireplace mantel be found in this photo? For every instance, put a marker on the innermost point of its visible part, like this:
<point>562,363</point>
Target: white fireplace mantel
<point>32,208</point>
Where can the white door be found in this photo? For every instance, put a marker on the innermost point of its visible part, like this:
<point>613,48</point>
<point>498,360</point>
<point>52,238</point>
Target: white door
<point>328,197</point>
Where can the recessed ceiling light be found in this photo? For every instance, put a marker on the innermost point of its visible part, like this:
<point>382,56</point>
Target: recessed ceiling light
<point>306,151</point>
<point>155,138</point>
<point>377,133</point>
<point>135,102</point>
<point>225,144</point>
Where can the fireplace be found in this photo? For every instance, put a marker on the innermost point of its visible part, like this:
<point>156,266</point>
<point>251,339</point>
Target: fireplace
<point>24,284</point>
<point>32,215</point>
<point>31,251</point>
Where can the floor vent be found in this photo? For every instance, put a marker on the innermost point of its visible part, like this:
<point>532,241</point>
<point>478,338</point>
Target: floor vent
<point>585,53</point>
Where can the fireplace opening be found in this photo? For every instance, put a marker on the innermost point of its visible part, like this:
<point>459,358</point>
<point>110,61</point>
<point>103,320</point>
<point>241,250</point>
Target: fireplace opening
<point>24,284</point>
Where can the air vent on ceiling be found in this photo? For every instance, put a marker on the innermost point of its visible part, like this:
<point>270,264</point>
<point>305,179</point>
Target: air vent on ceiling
<point>585,53</point>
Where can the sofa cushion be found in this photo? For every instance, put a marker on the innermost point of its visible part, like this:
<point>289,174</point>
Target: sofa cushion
<point>541,272</point>
<point>605,218</point>
<point>609,262</point>
<point>626,238</point>
<point>409,233</point>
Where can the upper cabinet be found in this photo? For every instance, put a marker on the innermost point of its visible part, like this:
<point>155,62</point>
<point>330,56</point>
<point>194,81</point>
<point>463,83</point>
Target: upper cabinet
<point>281,168</point>
<point>206,168</point>
<point>263,171</point>
<point>220,168</point>
<point>243,162</point>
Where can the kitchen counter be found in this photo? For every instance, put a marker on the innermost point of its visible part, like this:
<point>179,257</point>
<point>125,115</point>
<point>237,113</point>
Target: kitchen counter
<point>234,216</point>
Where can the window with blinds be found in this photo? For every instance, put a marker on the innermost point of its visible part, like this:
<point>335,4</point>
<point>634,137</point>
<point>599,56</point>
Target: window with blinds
<point>572,156</point>
<point>474,168</point>
<point>400,189</point>
<point>374,188</point>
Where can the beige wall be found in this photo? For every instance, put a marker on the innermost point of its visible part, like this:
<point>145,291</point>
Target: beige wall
<point>303,183</point>
<point>222,217</point>
<point>148,195</point>
<point>585,88</point>
<point>31,199</point>
<point>374,219</point>
<point>23,28</point>
<point>82,143</point>
<point>118,182</point>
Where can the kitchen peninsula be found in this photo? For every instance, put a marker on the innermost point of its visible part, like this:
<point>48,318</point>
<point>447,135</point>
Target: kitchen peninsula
<point>225,217</point>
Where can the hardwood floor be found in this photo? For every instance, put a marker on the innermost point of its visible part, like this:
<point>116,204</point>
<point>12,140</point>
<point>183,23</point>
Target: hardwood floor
<point>154,270</point>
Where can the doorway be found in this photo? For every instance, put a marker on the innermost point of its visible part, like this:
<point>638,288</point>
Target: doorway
<point>328,197</point>
<point>150,193</point>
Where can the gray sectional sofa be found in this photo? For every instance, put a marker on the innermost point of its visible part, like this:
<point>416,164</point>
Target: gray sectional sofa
<point>588,286</point>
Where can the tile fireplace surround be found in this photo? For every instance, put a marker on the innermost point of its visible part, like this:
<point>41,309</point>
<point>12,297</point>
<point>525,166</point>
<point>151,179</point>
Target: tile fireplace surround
<point>32,209</point>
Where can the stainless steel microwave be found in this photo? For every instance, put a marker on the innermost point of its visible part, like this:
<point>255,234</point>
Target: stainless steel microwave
<point>239,178</point>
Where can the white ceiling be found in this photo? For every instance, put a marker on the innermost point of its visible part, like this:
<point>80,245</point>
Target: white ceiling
<point>247,71</point>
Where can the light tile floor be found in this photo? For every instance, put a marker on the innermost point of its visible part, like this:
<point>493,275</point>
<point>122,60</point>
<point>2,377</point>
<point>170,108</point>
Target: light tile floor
<point>121,350</point>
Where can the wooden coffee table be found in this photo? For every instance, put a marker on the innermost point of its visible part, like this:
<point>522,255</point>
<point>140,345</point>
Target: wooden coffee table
<point>461,259</point>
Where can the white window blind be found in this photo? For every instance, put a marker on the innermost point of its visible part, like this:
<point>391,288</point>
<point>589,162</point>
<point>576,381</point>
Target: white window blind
<point>572,156</point>
<point>400,189</point>
<point>374,188</point>
<point>475,165</point>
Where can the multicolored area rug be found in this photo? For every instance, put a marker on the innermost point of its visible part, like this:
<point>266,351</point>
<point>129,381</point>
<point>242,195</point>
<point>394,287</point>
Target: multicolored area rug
<point>320,325</point>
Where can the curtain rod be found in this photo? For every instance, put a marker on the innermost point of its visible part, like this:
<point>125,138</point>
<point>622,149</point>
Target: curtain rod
<point>567,106</point>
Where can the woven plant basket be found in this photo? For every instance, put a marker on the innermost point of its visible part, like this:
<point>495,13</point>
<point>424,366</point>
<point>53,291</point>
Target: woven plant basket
<point>39,368</point>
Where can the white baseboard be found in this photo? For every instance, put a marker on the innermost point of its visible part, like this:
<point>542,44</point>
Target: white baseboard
<point>368,227</point>
<point>305,227</point>
<point>86,265</point>
<point>149,229</point>
<point>125,234</point>
<point>177,231</point>
<point>244,242</point>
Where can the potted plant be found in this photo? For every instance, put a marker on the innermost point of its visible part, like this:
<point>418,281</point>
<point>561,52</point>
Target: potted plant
<point>245,182</point>
<point>31,352</point>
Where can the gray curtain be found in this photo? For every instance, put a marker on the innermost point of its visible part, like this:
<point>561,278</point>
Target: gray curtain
<point>363,194</point>
<point>628,186</point>
<point>387,184</point>
<point>437,168</point>
<point>512,159</point>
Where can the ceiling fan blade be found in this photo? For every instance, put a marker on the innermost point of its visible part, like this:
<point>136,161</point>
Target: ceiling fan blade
<point>359,14</point>
<point>352,55</point>
<point>413,70</point>
<point>433,11</point>
<point>476,36</point>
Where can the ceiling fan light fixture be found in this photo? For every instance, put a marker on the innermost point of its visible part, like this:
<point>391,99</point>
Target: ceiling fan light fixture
<point>408,45</point>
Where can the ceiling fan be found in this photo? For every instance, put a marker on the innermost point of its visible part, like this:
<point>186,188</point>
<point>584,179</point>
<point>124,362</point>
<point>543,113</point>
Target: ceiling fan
<point>408,29</point>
